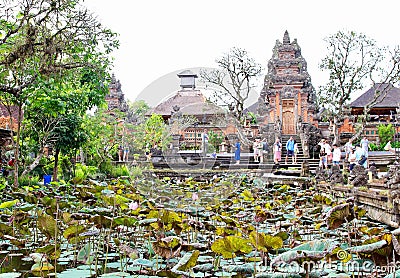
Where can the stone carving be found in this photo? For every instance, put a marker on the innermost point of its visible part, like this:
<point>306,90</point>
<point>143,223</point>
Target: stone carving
<point>373,170</point>
<point>336,175</point>
<point>305,169</point>
<point>359,176</point>
<point>393,176</point>
<point>321,175</point>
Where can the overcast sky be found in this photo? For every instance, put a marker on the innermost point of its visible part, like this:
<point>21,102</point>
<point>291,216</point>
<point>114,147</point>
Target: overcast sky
<point>161,37</point>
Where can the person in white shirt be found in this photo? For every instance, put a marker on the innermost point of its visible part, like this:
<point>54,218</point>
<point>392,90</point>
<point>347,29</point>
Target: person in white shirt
<point>336,155</point>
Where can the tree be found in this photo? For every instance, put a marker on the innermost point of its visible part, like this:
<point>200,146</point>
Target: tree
<point>352,59</point>
<point>385,133</point>
<point>215,139</point>
<point>233,79</point>
<point>44,40</point>
<point>152,131</point>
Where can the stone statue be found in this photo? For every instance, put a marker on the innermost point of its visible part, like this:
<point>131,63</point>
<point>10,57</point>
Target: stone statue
<point>359,176</point>
<point>393,176</point>
<point>336,175</point>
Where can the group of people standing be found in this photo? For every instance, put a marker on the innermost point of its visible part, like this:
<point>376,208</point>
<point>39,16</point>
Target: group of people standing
<point>353,154</point>
<point>292,150</point>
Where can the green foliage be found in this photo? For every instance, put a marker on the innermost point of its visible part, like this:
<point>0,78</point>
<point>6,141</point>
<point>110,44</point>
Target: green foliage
<point>82,172</point>
<point>252,117</point>
<point>215,139</point>
<point>28,180</point>
<point>385,133</point>
<point>231,246</point>
<point>152,131</point>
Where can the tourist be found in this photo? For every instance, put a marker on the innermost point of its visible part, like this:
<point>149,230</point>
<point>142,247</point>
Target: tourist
<point>361,156</point>
<point>265,148</point>
<point>260,151</point>
<point>323,163</point>
<point>296,151</point>
<point>277,148</point>
<point>336,155</point>
<point>126,153</point>
<point>237,152</point>
<point>328,151</point>
<point>352,159</point>
<point>257,149</point>
<point>204,142</point>
<point>120,153</point>
<point>348,147</point>
<point>290,149</point>
<point>364,143</point>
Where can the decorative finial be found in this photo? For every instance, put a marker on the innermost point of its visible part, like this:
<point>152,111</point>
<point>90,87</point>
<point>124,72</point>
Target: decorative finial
<point>286,38</point>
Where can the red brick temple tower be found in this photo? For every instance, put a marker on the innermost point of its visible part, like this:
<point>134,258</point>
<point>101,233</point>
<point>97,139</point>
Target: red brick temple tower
<point>288,97</point>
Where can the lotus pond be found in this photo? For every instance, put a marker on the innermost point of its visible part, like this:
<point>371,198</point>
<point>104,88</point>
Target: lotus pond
<point>230,225</point>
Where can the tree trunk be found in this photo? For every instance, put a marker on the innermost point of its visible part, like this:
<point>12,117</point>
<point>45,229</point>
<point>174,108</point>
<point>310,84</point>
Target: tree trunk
<point>335,126</point>
<point>55,169</point>
<point>82,156</point>
<point>34,163</point>
<point>16,152</point>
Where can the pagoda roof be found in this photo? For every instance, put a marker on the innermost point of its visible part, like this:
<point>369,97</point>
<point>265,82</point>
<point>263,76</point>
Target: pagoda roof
<point>202,108</point>
<point>181,99</point>
<point>187,73</point>
<point>390,100</point>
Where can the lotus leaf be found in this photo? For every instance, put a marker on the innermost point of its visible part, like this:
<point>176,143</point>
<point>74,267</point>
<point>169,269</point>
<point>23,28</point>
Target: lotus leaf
<point>42,266</point>
<point>125,221</point>
<point>101,221</point>
<point>84,253</point>
<point>52,251</point>
<point>143,262</point>
<point>5,229</point>
<point>339,214</point>
<point>10,275</point>
<point>247,196</point>
<point>168,247</point>
<point>367,248</point>
<point>319,198</point>
<point>264,242</point>
<point>188,261</point>
<point>116,274</point>
<point>26,207</point>
<point>370,231</point>
<point>229,246</point>
<point>8,204</point>
<point>312,250</point>
<point>73,231</point>
<point>395,275</point>
<point>203,267</point>
<point>167,219</point>
<point>47,225</point>
<point>243,268</point>
<point>277,275</point>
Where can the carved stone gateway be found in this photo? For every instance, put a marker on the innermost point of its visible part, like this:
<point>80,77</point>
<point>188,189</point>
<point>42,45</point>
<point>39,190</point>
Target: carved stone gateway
<point>288,94</point>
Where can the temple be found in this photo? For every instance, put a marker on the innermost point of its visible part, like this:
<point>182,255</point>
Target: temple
<point>115,98</point>
<point>288,96</point>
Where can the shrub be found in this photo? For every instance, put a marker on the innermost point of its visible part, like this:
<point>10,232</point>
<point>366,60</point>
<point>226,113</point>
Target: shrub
<point>385,133</point>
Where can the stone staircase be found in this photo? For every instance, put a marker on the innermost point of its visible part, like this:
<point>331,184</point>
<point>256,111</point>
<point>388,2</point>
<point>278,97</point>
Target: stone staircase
<point>313,163</point>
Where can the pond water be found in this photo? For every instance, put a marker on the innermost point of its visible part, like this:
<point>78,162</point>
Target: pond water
<point>227,225</point>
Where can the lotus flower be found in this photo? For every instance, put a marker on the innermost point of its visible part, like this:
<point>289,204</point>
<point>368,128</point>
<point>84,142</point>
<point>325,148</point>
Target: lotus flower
<point>195,196</point>
<point>133,206</point>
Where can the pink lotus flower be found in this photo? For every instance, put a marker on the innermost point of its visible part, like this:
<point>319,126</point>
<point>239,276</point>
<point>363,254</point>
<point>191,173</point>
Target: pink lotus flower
<point>195,196</point>
<point>133,206</point>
